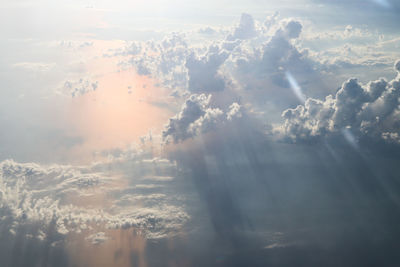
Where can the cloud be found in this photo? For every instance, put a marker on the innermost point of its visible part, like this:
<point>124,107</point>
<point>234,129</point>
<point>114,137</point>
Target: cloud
<point>365,110</point>
<point>79,87</point>
<point>249,188</point>
<point>245,30</point>
<point>194,113</point>
<point>252,67</point>
<point>203,71</point>
<point>178,66</point>
<point>197,117</point>
<point>252,56</point>
<point>163,60</point>
<point>183,66</point>
<point>278,53</point>
<point>397,66</point>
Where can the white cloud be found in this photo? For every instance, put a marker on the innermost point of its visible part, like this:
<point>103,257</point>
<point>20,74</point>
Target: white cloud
<point>234,111</point>
<point>197,117</point>
<point>164,60</point>
<point>245,30</point>
<point>252,56</point>
<point>367,110</point>
<point>35,194</point>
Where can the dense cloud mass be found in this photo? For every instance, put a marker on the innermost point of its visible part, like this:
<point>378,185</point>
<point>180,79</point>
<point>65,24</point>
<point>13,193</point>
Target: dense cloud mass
<point>366,110</point>
<point>252,59</point>
<point>264,67</point>
<point>69,197</point>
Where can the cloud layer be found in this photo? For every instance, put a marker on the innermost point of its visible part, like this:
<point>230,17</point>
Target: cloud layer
<point>77,199</point>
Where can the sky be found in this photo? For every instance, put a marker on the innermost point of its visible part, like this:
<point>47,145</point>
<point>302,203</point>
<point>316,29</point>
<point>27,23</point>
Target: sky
<point>187,133</point>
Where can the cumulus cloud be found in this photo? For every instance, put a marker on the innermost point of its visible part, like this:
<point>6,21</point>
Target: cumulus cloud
<point>177,65</point>
<point>257,62</point>
<point>197,117</point>
<point>180,65</point>
<point>278,53</point>
<point>203,70</point>
<point>366,110</point>
<point>164,60</point>
<point>252,56</point>
<point>245,30</point>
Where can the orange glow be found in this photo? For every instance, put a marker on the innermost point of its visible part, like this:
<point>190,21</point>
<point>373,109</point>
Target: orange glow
<point>120,111</point>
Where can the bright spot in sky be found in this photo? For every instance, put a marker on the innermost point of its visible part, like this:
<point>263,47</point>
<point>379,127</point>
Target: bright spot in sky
<point>350,138</point>
<point>295,87</point>
<point>112,116</point>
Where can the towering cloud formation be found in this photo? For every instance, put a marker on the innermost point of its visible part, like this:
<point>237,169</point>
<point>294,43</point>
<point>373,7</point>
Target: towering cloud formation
<point>366,110</point>
<point>248,49</point>
<point>245,30</point>
<point>278,53</point>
